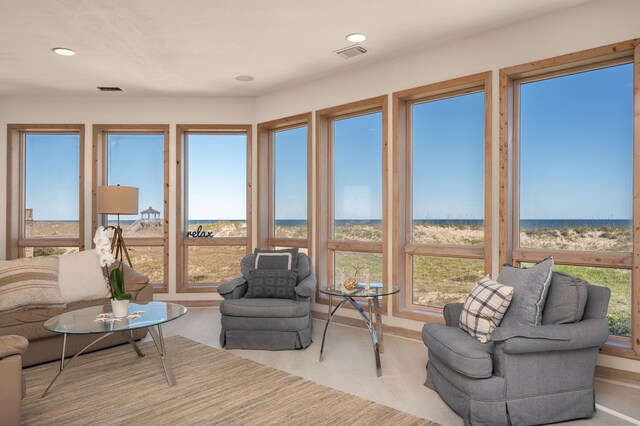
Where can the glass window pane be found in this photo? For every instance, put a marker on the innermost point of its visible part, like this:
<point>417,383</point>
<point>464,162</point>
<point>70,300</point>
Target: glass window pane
<point>148,261</point>
<point>354,264</point>
<point>576,159</point>
<point>217,183</point>
<point>48,251</point>
<point>52,185</point>
<point>357,178</point>
<point>290,182</point>
<point>138,160</point>
<point>448,170</point>
<point>619,281</point>
<point>213,265</point>
<point>441,280</point>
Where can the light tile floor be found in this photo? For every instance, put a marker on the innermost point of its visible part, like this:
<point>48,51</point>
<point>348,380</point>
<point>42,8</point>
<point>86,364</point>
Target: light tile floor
<point>349,365</point>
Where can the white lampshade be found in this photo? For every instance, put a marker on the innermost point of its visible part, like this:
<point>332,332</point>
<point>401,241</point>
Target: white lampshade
<point>117,200</point>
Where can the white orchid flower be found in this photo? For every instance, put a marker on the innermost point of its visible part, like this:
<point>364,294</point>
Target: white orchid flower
<point>107,259</point>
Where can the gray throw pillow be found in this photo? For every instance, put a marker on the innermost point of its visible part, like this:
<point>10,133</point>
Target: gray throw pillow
<point>530,288</point>
<point>275,259</point>
<point>272,284</point>
<point>566,300</point>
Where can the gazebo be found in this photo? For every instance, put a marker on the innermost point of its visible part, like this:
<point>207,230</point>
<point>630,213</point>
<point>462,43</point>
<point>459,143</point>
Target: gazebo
<point>150,216</point>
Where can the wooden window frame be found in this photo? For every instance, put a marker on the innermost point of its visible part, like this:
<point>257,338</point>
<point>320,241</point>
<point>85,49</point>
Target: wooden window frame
<point>99,169</point>
<point>509,252</point>
<point>403,248</point>
<point>183,243</point>
<point>325,245</point>
<point>266,182</point>
<point>16,133</point>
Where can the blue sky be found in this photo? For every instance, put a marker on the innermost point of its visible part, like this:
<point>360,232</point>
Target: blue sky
<point>575,145</point>
<point>290,152</point>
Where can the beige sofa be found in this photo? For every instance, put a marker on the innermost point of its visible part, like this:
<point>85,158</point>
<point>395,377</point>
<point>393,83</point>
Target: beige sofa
<point>13,387</point>
<point>45,346</point>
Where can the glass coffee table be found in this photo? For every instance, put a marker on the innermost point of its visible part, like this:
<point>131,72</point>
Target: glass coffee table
<point>151,315</point>
<point>373,296</point>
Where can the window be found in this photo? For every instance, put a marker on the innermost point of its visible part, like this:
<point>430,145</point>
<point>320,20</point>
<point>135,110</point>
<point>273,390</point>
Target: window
<point>45,190</point>
<point>214,166</point>
<point>138,155</point>
<point>571,135</point>
<point>352,158</point>
<point>284,188</point>
<point>443,157</point>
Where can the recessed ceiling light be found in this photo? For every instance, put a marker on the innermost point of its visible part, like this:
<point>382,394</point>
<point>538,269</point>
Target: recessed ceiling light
<point>356,38</point>
<point>63,51</point>
<point>244,78</point>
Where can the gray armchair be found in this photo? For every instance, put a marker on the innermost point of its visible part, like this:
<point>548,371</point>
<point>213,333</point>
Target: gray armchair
<point>272,324</point>
<point>525,374</point>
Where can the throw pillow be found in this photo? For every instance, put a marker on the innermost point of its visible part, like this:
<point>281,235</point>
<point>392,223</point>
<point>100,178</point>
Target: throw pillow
<point>272,283</point>
<point>29,283</point>
<point>276,259</point>
<point>566,300</point>
<point>484,308</point>
<point>530,288</point>
<point>81,278</point>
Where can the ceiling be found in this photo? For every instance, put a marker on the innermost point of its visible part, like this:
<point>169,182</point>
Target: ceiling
<point>196,47</point>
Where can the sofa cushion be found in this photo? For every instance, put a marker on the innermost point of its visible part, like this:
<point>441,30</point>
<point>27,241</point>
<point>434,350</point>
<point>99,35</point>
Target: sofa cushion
<point>530,288</point>
<point>273,260</point>
<point>264,308</point>
<point>484,308</point>
<point>29,283</point>
<point>81,277</point>
<point>458,350</point>
<point>272,283</point>
<point>566,300</point>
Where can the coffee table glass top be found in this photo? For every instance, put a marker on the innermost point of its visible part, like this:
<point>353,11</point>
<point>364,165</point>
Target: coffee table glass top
<point>360,291</point>
<point>83,321</point>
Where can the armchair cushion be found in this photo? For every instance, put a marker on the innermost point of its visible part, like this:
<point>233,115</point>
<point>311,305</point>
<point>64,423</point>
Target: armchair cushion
<point>233,289</point>
<point>566,300</point>
<point>461,352</point>
<point>272,283</point>
<point>484,308</point>
<point>12,345</point>
<point>588,333</point>
<point>273,260</point>
<point>306,287</point>
<point>530,288</point>
<point>264,308</point>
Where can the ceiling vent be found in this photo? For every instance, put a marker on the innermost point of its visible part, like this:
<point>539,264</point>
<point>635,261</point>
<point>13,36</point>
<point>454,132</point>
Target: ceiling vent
<point>351,51</point>
<point>109,89</point>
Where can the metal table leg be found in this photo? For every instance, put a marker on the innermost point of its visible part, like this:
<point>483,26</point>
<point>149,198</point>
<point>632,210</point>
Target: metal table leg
<point>372,331</point>
<point>376,306</point>
<point>326,326</point>
<point>164,357</point>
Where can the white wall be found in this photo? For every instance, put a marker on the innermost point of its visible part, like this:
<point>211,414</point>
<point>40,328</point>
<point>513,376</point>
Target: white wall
<point>590,25</point>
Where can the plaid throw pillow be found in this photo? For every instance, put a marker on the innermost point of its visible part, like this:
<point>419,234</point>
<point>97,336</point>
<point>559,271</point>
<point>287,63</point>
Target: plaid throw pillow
<point>484,308</point>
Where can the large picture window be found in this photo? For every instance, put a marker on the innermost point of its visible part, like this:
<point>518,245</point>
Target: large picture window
<point>138,156</point>
<point>284,218</point>
<point>45,190</point>
<point>214,164</point>
<point>571,136</point>
<point>443,157</point>
<point>352,191</point>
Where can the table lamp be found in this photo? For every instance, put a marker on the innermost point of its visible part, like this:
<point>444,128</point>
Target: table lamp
<point>118,200</point>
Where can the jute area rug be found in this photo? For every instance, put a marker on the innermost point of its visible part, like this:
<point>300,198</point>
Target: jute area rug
<point>213,386</point>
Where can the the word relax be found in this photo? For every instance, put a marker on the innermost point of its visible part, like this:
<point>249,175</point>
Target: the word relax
<point>199,233</point>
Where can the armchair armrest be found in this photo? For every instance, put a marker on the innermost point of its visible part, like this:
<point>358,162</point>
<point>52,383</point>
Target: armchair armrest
<point>233,289</point>
<point>557,337</point>
<point>12,345</point>
<point>135,283</point>
<point>452,313</point>
<point>306,287</point>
